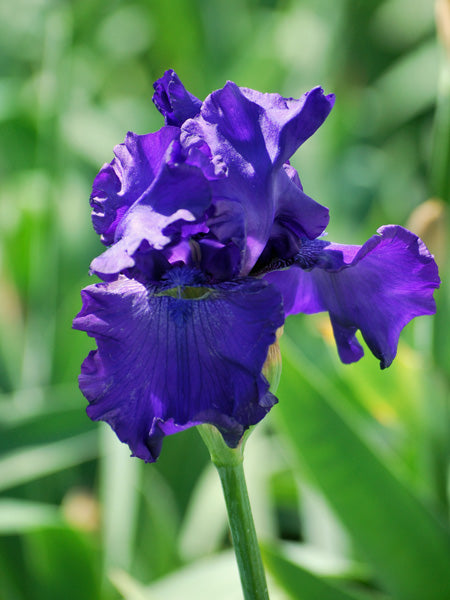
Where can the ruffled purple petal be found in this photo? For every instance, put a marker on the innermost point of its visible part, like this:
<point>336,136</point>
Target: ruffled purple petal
<point>169,358</point>
<point>255,208</point>
<point>288,122</point>
<point>376,288</point>
<point>120,183</point>
<point>254,134</point>
<point>173,207</point>
<point>173,101</point>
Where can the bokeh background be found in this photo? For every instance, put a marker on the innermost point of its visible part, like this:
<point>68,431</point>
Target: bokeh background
<point>348,476</point>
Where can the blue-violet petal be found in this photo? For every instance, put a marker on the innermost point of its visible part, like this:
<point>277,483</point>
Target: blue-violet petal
<point>376,288</point>
<point>173,101</point>
<point>169,358</point>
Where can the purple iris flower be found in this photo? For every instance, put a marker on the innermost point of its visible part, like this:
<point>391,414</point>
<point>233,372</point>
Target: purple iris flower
<point>211,243</point>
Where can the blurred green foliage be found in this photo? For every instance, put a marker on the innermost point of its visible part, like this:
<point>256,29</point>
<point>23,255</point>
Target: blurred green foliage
<point>348,476</point>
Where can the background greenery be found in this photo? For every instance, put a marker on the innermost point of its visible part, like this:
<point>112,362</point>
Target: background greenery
<point>348,476</point>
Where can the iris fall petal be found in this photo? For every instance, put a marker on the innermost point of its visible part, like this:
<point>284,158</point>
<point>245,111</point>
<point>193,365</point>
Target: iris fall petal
<point>165,363</point>
<point>376,288</point>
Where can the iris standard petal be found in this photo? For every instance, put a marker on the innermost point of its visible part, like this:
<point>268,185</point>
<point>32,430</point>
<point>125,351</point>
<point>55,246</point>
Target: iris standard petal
<point>173,101</point>
<point>120,183</point>
<point>376,288</point>
<point>288,228</point>
<point>288,122</point>
<point>179,194</point>
<point>253,134</point>
<point>169,357</point>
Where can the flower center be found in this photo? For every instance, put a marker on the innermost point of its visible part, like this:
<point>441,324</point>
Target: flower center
<point>184,283</point>
<point>186,292</point>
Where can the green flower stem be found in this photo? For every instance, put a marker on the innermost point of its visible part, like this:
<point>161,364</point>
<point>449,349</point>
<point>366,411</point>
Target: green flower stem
<point>229,464</point>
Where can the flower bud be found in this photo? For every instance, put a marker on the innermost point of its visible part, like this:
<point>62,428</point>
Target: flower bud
<point>272,367</point>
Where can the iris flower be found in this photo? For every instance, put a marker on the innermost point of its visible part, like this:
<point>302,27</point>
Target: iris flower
<point>211,243</point>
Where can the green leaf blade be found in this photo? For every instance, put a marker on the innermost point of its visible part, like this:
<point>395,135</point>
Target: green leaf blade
<point>300,583</point>
<point>407,547</point>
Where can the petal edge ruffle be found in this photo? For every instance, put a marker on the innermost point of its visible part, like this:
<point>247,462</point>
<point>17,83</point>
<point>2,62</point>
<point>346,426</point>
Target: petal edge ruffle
<point>376,288</point>
<point>254,134</point>
<point>164,363</point>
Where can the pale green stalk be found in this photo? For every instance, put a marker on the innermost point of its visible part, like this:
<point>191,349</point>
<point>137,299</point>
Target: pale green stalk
<point>229,464</point>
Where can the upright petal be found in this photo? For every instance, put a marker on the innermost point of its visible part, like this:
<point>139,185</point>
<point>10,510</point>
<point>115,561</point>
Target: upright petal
<point>376,288</point>
<point>175,356</point>
<point>120,183</point>
<point>179,194</point>
<point>254,134</point>
<point>288,122</point>
<point>173,101</point>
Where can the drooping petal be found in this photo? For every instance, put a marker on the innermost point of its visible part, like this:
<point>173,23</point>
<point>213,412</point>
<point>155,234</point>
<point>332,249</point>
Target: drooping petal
<point>171,358</point>
<point>173,101</point>
<point>376,288</point>
<point>254,134</point>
